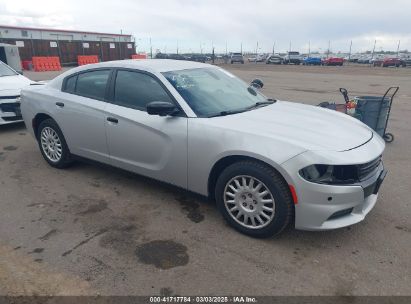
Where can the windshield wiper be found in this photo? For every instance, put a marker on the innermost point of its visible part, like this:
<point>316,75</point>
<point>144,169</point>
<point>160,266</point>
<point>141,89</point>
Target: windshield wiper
<point>225,113</point>
<point>256,105</point>
<point>262,103</point>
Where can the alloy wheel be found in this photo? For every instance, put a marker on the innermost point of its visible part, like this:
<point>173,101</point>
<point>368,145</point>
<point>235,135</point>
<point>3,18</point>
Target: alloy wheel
<point>249,202</point>
<point>51,144</point>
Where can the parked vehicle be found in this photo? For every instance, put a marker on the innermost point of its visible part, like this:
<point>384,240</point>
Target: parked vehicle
<point>252,58</point>
<point>261,58</point>
<point>333,61</point>
<point>364,60</point>
<point>161,56</point>
<point>396,62</point>
<point>407,61</point>
<point>176,57</point>
<point>377,61</point>
<point>274,59</point>
<point>267,163</point>
<point>236,58</point>
<point>292,58</point>
<point>9,54</point>
<point>312,61</point>
<point>11,83</point>
<point>198,58</point>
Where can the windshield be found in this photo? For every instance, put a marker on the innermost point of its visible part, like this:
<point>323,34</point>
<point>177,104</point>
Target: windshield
<point>210,91</point>
<point>5,70</point>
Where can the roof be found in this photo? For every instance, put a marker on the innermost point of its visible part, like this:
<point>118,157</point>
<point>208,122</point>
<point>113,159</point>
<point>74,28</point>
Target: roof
<point>58,30</point>
<point>152,65</point>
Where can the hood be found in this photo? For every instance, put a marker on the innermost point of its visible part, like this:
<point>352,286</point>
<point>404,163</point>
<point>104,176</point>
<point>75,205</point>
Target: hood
<point>11,85</point>
<point>309,127</point>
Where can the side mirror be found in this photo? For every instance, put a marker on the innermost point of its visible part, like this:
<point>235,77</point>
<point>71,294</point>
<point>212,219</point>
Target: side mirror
<point>257,83</point>
<point>161,108</point>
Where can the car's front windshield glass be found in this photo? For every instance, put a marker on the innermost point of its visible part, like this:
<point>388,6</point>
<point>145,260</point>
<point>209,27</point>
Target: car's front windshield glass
<point>5,70</point>
<point>214,91</point>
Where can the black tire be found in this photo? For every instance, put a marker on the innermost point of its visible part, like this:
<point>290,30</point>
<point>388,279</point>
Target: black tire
<point>284,207</point>
<point>66,159</point>
<point>388,137</point>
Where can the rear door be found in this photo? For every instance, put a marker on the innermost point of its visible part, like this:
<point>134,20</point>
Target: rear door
<point>150,145</point>
<point>80,113</point>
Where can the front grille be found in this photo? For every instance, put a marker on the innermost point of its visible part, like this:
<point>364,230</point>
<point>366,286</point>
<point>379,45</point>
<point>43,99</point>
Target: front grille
<point>368,169</point>
<point>10,107</point>
<point>15,118</point>
<point>9,97</point>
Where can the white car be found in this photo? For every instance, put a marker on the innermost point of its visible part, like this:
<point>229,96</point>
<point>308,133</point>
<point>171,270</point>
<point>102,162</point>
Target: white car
<point>11,84</point>
<point>267,163</point>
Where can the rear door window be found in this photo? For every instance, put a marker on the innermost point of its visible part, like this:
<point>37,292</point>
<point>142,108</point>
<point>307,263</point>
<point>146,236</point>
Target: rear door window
<point>92,84</point>
<point>70,84</point>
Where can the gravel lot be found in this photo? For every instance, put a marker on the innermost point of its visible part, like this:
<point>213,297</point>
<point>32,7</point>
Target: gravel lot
<point>93,229</point>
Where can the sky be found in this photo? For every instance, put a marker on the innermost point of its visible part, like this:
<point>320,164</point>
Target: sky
<point>195,26</point>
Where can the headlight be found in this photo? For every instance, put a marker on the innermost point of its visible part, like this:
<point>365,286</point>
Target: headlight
<point>328,174</point>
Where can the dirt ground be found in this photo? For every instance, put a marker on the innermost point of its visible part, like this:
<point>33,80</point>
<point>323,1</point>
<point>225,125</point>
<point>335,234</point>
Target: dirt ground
<point>93,229</point>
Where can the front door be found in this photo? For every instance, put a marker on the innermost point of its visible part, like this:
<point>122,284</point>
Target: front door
<point>150,145</point>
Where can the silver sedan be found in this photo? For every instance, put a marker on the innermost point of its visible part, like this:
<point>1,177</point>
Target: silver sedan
<point>267,163</point>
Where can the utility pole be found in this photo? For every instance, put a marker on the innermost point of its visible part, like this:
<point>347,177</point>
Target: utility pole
<point>398,48</point>
<point>329,46</point>
<point>373,50</point>
<point>151,50</point>
<point>309,48</point>
<point>274,48</point>
<point>256,53</point>
<point>349,54</point>
<point>213,55</point>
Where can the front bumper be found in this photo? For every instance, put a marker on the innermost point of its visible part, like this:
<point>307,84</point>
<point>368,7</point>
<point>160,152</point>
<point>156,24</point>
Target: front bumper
<point>10,110</point>
<point>325,207</point>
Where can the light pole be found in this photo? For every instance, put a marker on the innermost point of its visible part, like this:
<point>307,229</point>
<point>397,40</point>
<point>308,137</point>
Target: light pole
<point>151,50</point>
<point>309,48</point>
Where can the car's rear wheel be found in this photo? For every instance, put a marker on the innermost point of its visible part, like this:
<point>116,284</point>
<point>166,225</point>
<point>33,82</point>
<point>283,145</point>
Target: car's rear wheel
<point>52,144</point>
<point>254,199</point>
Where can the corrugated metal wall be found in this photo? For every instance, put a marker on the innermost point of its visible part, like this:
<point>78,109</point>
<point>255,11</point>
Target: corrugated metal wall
<point>68,50</point>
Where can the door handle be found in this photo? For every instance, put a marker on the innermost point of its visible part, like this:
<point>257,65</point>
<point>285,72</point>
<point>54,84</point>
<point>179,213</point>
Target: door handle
<point>112,119</point>
<point>60,104</point>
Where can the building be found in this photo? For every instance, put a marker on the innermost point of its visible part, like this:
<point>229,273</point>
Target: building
<point>67,44</point>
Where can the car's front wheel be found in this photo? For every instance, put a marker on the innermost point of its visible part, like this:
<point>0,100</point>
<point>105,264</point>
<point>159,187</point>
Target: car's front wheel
<point>254,199</point>
<point>52,144</point>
